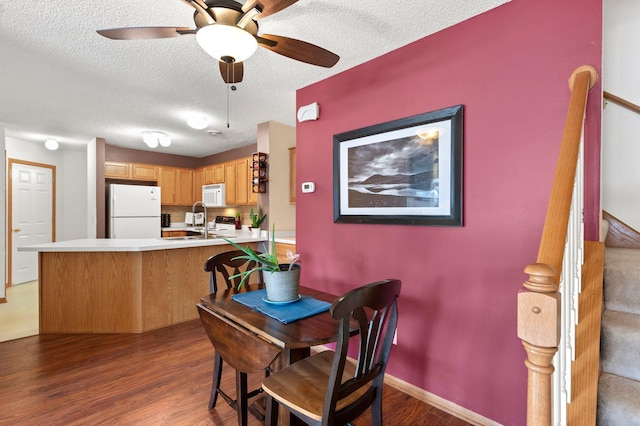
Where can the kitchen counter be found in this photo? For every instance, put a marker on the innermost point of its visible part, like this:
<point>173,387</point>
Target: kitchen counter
<point>139,244</point>
<point>124,285</point>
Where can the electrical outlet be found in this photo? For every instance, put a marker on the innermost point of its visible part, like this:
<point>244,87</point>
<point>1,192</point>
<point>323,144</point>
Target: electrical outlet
<point>395,337</point>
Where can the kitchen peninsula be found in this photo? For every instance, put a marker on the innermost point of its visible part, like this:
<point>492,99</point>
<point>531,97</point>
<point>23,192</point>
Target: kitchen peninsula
<point>123,285</point>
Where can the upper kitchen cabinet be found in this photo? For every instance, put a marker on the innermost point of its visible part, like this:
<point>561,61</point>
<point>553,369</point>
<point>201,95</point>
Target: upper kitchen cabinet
<point>144,172</point>
<point>132,171</point>
<point>237,178</point>
<point>214,174</point>
<point>176,185</point>
<point>198,181</point>
<point>230,183</point>
<point>113,170</point>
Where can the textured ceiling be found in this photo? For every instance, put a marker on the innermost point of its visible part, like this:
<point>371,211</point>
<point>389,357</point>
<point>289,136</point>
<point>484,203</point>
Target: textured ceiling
<point>59,78</point>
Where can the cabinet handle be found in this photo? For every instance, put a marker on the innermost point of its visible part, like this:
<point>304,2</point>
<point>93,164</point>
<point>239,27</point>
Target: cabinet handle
<point>17,229</point>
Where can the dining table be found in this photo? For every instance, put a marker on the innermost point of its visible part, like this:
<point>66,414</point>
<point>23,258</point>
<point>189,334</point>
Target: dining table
<point>294,339</point>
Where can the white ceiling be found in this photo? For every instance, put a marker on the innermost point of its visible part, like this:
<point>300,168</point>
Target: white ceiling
<point>59,78</point>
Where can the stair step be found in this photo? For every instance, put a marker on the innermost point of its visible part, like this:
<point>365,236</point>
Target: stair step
<point>622,280</point>
<point>618,401</point>
<point>620,344</point>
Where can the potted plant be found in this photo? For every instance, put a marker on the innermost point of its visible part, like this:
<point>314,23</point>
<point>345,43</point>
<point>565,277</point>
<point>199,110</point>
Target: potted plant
<point>238,223</point>
<point>256,221</point>
<point>282,280</point>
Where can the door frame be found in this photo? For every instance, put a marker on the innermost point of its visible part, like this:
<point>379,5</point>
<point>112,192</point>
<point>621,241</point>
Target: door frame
<point>11,162</point>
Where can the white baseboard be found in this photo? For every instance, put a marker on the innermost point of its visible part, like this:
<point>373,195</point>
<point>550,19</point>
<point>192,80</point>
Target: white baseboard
<point>430,398</point>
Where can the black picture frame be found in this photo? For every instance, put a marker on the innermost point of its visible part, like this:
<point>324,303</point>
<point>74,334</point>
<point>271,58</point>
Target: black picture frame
<point>406,171</point>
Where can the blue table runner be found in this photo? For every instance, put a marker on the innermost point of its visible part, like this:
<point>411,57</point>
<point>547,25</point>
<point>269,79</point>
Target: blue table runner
<point>305,307</point>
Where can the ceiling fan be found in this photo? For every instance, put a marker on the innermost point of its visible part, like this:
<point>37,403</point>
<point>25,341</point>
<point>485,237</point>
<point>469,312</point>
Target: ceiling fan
<point>228,31</point>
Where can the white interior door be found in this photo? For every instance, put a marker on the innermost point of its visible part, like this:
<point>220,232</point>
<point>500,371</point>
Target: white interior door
<point>31,217</point>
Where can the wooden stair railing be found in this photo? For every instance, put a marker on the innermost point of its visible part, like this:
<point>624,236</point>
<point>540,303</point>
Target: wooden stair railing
<point>540,315</point>
<point>620,101</point>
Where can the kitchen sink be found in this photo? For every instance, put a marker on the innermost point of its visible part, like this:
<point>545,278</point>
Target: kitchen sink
<point>197,237</point>
<point>188,237</point>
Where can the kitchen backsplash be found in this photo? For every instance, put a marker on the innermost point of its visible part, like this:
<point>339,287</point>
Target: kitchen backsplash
<point>177,212</point>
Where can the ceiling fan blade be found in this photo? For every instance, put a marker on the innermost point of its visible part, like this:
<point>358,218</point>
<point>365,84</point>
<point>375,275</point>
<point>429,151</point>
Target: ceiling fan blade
<point>232,72</point>
<point>298,50</point>
<point>269,7</point>
<point>135,33</point>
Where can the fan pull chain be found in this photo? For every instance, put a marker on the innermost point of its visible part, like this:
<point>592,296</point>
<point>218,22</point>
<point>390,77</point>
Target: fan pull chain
<point>228,91</point>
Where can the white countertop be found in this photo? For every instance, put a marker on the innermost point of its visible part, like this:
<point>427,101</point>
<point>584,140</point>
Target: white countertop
<point>136,244</point>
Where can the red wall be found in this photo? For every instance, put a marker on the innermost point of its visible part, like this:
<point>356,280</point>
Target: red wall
<point>509,68</point>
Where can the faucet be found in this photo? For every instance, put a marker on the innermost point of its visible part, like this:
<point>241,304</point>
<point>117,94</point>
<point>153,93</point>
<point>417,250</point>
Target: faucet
<point>193,211</point>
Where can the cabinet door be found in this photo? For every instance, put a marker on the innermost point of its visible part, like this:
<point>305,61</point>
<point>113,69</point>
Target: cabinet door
<point>167,183</point>
<point>144,172</point>
<point>198,181</point>
<point>281,251</point>
<point>292,175</point>
<point>117,170</point>
<point>218,173</point>
<point>184,187</point>
<point>214,174</point>
<point>230,183</point>
<point>242,181</point>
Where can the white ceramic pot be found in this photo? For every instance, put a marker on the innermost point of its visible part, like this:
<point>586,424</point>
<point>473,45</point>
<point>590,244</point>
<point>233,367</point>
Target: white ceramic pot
<point>255,232</point>
<point>284,285</point>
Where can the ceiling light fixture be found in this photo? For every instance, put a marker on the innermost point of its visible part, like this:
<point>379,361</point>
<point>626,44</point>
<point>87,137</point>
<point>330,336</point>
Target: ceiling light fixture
<point>51,144</point>
<point>198,122</point>
<point>153,139</point>
<point>226,43</point>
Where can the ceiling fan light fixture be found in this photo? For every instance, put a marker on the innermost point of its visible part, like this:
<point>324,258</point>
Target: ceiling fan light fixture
<point>226,41</point>
<point>51,144</point>
<point>153,139</point>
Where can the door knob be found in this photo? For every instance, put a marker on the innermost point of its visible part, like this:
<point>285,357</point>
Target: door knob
<point>17,229</point>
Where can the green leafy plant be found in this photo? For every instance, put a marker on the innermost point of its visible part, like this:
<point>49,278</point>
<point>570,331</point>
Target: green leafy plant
<point>267,262</point>
<point>257,218</point>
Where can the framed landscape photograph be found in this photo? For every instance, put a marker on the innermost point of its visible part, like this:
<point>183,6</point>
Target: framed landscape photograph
<point>407,171</point>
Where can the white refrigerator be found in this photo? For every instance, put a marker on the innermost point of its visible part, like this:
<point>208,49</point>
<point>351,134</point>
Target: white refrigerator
<point>134,211</point>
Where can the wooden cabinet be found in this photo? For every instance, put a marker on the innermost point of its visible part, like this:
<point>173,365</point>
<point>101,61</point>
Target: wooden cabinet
<point>113,170</point>
<point>176,185</point>
<point>144,172</point>
<point>198,181</point>
<point>167,183</point>
<point>242,182</point>
<point>230,183</point>
<point>214,174</point>
<point>237,178</point>
<point>132,171</point>
<point>281,251</point>
<point>166,234</point>
<point>182,186</point>
<point>292,175</point>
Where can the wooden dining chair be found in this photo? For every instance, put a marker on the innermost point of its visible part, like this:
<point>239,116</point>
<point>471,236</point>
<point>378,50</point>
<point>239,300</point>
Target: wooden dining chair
<point>329,389</point>
<point>225,265</point>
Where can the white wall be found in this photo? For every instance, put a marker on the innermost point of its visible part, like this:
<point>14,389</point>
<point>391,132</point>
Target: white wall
<point>71,184</point>
<point>3,208</point>
<point>275,139</point>
<point>621,128</point>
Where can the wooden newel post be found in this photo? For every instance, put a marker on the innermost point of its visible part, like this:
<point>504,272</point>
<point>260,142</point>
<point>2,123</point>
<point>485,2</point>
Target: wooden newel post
<point>539,330</point>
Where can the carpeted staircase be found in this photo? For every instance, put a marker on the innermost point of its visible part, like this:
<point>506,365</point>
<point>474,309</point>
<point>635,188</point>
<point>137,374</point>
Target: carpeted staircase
<point>619,385</point>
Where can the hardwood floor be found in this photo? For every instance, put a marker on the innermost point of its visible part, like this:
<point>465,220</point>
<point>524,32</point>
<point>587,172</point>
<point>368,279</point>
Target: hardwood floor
<point>162,377</point>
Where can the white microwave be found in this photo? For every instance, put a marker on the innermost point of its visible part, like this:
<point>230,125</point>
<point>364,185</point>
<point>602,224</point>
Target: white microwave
<point>213,195</point>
